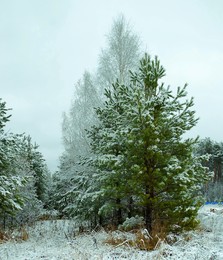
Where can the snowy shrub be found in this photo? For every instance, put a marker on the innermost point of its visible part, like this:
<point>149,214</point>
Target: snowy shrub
<point>132,223</point>
<point>49,214</point>
<point>29,213</point>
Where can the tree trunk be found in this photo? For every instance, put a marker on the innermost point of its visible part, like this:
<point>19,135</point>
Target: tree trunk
<point>100,220</point>
<point>118,212</point>
<point>130,207</point>
<point>148,218</point>
<point>149,207</point>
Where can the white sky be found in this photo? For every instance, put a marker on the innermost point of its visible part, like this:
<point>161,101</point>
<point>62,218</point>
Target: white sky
<point>45,46</point>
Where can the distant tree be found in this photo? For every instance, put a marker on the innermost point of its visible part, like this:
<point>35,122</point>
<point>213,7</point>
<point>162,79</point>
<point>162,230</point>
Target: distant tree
<point>37,167</point>
<point>80,117</point>
<point>76,143</point>
<point>215,152</point>
<point>121,54</point>
<point>139,150</point>
<point>213,189</point>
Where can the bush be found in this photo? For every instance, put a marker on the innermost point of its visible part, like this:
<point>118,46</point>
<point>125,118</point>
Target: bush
<point>132,223</point>
<point>48,215</point>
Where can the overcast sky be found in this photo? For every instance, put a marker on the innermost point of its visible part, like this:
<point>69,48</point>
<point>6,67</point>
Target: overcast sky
<point>46,45</point>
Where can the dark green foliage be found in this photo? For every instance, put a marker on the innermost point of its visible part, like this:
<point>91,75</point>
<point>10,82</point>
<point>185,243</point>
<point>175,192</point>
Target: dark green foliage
<point>23,176</point>
<point>140,152</point>
<point>10,199</point>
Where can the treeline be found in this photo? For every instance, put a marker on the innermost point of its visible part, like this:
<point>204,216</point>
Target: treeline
<point>24,177</point>
<point>213,190</point>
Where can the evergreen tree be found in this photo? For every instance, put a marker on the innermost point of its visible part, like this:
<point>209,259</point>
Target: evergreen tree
<point>215,152</point>
<point>23,176</point>
<point>10,183</point>
<point>213,189</point>
<point>37,166</point>
<point>109,148</point>
<point>140,151</point>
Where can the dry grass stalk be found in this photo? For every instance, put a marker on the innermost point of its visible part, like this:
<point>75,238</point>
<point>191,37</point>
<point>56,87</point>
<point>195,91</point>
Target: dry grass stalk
<point>4,236</point>
<point>24,234</point>
<point>142,240</point>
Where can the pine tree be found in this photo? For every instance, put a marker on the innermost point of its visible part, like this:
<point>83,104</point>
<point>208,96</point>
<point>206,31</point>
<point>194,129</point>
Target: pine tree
<point>10,184</point>
<point>23,176</point>
<point>37,167</point>
<point>108,146</point>
<point>141,153</point>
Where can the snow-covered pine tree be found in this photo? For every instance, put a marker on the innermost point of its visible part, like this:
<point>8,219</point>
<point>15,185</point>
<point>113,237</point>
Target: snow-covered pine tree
<point>141,151</point>
<point>108,145</point>
<point>10,184</point>
<point>23,176</point>
<point>37,167</point>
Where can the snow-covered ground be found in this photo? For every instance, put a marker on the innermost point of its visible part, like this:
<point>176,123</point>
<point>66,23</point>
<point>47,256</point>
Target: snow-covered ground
<point>50,240</point>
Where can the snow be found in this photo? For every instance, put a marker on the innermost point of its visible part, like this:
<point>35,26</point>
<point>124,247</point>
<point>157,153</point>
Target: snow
<point>52,240</point>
